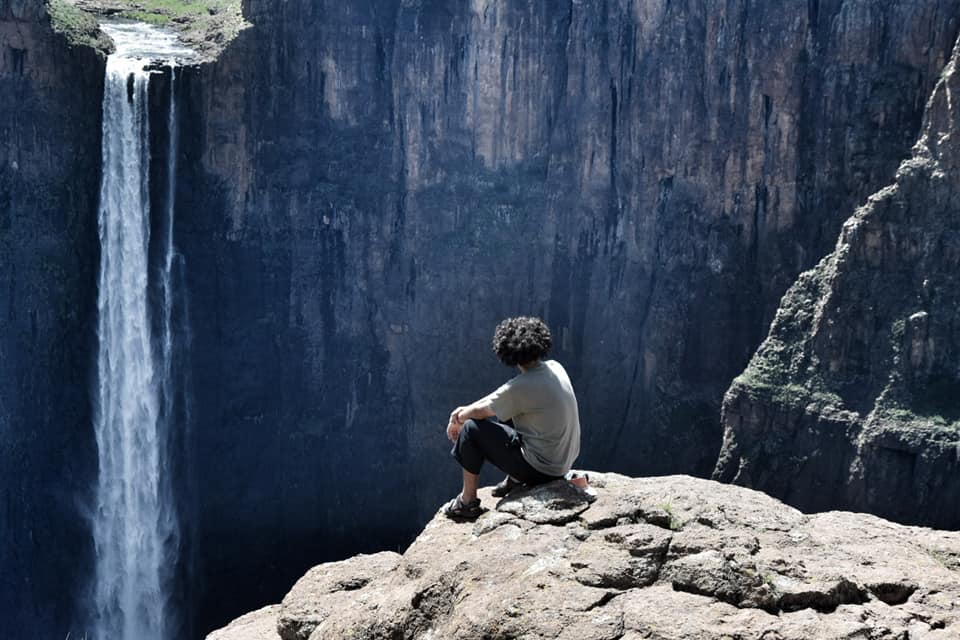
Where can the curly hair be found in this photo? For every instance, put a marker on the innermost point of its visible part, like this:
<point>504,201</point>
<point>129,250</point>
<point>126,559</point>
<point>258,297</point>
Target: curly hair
<point>521,340</point>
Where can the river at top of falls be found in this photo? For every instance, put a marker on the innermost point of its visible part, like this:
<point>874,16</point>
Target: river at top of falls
<point>135,528</point>
<point>137,41</point>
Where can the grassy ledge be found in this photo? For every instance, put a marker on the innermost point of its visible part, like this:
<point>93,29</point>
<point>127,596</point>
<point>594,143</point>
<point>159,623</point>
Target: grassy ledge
<point>77,26</point>
<point>205,25</point>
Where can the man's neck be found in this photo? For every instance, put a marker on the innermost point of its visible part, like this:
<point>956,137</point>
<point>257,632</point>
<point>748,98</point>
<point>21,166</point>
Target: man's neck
<point>530,365</point>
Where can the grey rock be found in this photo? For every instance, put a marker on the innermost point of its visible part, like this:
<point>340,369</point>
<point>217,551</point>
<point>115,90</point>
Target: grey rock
<point>325,589</point>
<point>256,625</point>
<point>621,557</point>
<point>733,579</point>
<point>780,574</point>
<point>557,502</point>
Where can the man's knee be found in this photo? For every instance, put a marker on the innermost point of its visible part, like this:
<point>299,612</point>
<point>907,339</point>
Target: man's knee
<point>469,430</point>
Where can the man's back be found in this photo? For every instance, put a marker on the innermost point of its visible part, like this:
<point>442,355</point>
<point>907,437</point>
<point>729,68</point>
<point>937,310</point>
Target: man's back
<point>542,404</point>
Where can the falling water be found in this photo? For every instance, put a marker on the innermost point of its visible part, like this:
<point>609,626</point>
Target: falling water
<point>134,527</point>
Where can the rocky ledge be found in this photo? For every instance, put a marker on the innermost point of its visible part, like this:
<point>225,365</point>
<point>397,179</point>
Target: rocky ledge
<point>666,558</point>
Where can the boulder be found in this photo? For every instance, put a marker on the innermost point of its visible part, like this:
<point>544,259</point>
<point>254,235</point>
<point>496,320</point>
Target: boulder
<point>256,625</point>
<point>670,558</point>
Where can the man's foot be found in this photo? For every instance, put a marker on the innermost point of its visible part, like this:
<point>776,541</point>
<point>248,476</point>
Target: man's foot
<point>504,487</point>
<point>462,511</point>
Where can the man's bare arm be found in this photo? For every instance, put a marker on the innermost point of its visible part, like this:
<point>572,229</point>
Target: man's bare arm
<point>477,410</point>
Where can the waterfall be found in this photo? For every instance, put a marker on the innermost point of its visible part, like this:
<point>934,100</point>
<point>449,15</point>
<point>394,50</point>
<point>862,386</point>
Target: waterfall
<point>135,529</point>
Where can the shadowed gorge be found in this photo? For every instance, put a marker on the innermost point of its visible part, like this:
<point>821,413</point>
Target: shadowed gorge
<point>365,188</point>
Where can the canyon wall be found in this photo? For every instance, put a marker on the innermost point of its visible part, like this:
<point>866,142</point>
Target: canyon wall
<point>369,187</point>
<point>853,400</point>
<point>50,97</point>
<point>366,188</point>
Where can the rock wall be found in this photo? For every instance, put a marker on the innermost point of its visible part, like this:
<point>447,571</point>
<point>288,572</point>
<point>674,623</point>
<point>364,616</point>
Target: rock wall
<point>50,97</point>
<point>369,187</point>
<point>853,400</point>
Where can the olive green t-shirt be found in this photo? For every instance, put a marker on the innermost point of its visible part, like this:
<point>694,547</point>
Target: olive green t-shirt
<point>543,407</point>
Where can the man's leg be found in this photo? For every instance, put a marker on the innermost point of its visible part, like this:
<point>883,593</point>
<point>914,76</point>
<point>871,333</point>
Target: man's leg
<point>482,440</point>
<point>470,483</point>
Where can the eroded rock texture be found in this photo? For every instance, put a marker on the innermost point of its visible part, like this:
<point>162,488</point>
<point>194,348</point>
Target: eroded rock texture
<point>853,401</point>
<point>50,98</point>
<point>725,562</point>
<point>369,187</point>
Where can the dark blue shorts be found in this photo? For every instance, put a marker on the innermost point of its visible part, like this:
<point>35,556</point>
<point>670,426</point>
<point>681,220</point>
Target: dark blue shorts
<point>499,443</point>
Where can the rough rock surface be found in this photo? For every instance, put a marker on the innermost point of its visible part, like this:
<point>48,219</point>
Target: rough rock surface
<point>368,187</point>
<point>50,97</point>
<point>256,625</point>
<point>673,558</point>
<point>302,611</point>
<point>853,401</point>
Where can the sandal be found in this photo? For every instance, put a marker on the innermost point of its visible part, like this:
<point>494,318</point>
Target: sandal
<point>504,487</point>
<point>459,510</point>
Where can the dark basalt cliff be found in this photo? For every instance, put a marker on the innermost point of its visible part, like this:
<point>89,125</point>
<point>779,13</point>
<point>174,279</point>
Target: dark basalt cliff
<point>50,97</point>
<point>369,187</point>
<point>853,401</point>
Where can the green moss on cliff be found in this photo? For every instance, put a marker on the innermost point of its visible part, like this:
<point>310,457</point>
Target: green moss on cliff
<point>177,13</point>
<point>77,26</point>
<point>205,25</point>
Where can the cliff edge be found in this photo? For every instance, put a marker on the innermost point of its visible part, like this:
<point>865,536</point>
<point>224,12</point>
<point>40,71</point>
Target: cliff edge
<point>853,400</point>
<point>669,558</point>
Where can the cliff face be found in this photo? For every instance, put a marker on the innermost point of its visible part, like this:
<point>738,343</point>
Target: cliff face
<point>853,401</point>
<point>50,97</point>
<point>369,187</point>
<point>670,558</point>
<point>366,188</point>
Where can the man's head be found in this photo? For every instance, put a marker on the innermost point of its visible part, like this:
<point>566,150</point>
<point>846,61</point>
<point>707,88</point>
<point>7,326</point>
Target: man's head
<point>521,341</point>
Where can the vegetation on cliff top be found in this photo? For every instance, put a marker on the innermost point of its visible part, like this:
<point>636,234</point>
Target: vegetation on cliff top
<point>77,26</point>
<point>205,25</point>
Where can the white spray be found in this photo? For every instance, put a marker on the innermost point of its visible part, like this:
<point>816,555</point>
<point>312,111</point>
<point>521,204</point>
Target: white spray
<point>134,527</point>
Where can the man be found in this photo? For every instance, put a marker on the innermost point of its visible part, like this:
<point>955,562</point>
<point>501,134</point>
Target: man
<point>544,439</point>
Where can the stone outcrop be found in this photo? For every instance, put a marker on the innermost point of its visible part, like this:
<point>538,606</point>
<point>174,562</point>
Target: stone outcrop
<point>853,401</point>
<point>50,96</point>
<point>673,558</point>
<point>368,187</point>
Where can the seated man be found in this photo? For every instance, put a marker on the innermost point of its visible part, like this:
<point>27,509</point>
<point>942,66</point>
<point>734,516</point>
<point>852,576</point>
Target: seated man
<point>545,437</point>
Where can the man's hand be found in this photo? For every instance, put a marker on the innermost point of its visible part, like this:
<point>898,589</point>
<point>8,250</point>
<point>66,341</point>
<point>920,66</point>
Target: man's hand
<point>453,430</point>
<point>479,409</point>
<point>456,417</point>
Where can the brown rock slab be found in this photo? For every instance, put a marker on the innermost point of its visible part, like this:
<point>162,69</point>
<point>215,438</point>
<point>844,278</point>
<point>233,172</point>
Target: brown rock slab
<point>256,625</point>
<point>327,587</point>
<point>732,563</point>
<point>557,502</point>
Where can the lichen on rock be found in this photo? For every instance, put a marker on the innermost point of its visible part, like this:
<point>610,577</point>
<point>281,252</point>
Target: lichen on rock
<point>736,563</point>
